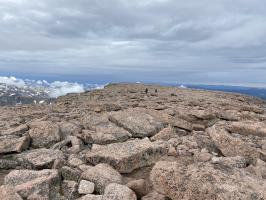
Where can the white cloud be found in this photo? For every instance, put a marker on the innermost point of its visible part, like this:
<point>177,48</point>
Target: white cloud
<point>12,81</point>
<point>62,88</point>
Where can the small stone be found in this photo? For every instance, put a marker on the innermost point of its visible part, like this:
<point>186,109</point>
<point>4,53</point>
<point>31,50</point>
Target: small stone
<point>86,187</point>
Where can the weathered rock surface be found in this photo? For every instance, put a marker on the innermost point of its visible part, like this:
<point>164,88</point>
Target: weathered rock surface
<point>44,133</point>
<point>137,122</point>
<point>128,156</point>
<point>13,143</point>
<point>42,159</point>
<point>115,191</point>
<point>86,187</point>
<point>8,193</point>
<point>124,143</point>
<point>102,175</point>
<point>27,183</point>
<point>205,181</point>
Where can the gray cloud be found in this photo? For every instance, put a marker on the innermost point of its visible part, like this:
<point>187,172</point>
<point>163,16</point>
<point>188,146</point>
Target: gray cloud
<point>151,40</point>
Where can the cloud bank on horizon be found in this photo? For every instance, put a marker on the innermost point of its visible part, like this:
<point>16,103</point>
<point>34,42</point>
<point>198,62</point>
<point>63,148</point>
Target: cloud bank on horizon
<point>53,90</point>
<point>208,41</point>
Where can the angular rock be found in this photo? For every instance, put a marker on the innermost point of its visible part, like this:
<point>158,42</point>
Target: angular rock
<point>232,162</point>
<point>137,122</point>
<point>8,193</point>
<point>86,187</point>
<point>101,131</point>
<point>18,131</point>
<point>128,156</point>
<point>115,191</point>
<point>69,128</point>
<point>258,169</point>
<point>105,134</point>
<point>248,128</point>
<point>44,134</point>
<point>71,145</point>
<point>232,146</point>
<point>165,134</point>
<point>102,175</point>
<point>13,143</point>
<point>183,124</point>
<point>42,159</point>
<point>70,189</point>
<point>44,183</point>
<point>8,163</point>
<point>205,181</point>
<point>69,173</point>
<point>138,186</point>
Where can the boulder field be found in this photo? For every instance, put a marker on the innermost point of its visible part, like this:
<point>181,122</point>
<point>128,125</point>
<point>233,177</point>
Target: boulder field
<point>135,142</point>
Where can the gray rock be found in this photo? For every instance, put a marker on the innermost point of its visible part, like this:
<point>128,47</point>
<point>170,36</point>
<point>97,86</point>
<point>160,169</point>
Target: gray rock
<point>178,180</point>
<point>71,174</point>
<point>70,189</point>
<point>138,186</point>
<point>86,187</point>
<point>42,159</point>
<point>128,156</point>
<point>154,196</point>
<point>137,122</point>
<point>102,175</point>
<point>13,143</point>
<point>44,183</point>
<point>44,134</point>
<point>115,191</point>
<point>8,193</point>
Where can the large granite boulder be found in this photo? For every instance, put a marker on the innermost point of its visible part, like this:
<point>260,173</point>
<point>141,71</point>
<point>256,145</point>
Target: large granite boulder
<point>44,184</point>
<point>205,181</point>
<point>14,143</point>
<point>137,122</point>
<point>102,175</point>
<point>8,193</point>
<point>248,128</point>
<point>101,131</point>
<point>128,156</point>
<point>41,159</point>
<point>44,134</point>
<point>231,146</point>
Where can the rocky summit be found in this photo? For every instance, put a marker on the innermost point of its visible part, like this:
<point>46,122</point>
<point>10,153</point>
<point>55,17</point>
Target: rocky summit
<point>134,141</point>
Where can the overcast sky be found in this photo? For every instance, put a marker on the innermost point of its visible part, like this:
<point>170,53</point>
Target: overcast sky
<point>206,41</point>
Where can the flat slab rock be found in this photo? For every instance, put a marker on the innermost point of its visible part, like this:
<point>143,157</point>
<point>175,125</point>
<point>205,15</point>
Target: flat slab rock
<point>13,143</point>
<point>29,184</point>
<point>128,156</point>
<point>44,134</point>
<point>137,122</point>
<point>41,158</point>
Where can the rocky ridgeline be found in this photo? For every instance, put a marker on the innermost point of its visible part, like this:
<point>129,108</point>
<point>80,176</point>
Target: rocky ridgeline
<point>123,144</point>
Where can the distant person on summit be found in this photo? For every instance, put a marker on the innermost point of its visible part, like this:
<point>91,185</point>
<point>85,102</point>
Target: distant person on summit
<point>146,90</point>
